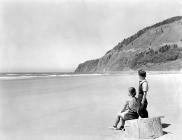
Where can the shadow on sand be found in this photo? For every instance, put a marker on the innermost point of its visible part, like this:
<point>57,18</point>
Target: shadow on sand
<point>165,125</point>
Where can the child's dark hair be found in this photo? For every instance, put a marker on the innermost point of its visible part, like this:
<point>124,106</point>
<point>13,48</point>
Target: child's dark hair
<point>132,91</point>
<point>142,73</point>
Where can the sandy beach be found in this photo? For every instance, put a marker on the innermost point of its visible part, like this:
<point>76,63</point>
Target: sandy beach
<point>83,107</point>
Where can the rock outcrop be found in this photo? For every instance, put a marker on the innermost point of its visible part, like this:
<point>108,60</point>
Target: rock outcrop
<point>150,48</point>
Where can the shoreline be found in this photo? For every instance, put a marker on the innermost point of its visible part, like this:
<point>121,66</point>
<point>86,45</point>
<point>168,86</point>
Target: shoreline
<point>20,76</point>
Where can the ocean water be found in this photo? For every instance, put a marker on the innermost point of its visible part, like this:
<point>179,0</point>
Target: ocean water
<point>14,76</point>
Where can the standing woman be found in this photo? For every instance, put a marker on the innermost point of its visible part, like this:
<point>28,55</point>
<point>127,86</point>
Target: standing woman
<point>142,94</point>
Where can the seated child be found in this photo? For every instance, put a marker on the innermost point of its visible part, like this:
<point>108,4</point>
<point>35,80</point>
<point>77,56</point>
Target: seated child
<point>129,110</point>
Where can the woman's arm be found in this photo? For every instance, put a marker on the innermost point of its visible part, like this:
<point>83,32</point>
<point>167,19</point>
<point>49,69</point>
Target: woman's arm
<point>125,107</point>
<point>144,97</point>
<point>145,89</point>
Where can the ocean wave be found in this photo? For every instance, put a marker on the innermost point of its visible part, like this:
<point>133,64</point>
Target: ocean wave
<point>16,77</point>
<point>29,76</point>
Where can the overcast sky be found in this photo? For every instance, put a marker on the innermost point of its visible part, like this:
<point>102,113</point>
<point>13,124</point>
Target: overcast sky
<point>57,35</point>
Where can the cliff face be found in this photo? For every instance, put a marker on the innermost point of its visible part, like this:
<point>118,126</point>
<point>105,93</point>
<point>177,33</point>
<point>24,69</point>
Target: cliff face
<point>88,66</point>
<point>150,48</point>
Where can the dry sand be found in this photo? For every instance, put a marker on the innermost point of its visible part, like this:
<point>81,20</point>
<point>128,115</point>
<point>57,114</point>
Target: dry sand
<point>82,107</point>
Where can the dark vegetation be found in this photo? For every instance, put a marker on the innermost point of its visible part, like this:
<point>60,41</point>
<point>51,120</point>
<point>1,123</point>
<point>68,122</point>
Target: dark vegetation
<point>161,55</point>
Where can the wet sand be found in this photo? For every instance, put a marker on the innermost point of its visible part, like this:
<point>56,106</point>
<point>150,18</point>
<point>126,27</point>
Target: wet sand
<point>82,107</point>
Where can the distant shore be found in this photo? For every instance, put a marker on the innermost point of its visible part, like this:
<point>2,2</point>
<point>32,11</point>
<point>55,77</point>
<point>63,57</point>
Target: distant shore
<point>135,71</point>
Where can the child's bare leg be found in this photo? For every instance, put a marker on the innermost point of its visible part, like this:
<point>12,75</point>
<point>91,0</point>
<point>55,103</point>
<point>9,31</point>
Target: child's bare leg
<point>120,115</point>
<point>117,121</point>
<point>122,123</point>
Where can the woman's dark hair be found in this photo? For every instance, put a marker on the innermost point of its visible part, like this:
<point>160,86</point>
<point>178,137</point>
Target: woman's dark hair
<point>132,91</point>
<point>142,73</point>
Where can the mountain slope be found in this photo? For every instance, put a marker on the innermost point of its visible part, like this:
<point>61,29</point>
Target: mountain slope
<point>157,44</point>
